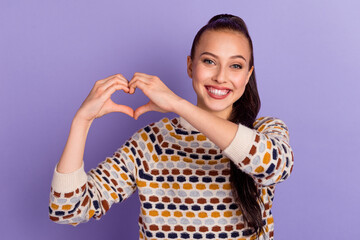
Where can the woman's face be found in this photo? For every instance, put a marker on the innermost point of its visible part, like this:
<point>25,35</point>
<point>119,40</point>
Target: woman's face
<point>220,70</point>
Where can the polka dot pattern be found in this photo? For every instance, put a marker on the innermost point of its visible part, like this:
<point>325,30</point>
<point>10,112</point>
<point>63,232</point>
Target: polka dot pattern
<point>183,182</point>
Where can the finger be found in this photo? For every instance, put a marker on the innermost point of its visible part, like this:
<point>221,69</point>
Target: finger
<point>138,84</point>
<point>133,83</point>
<point>118,75</point>
<point>112,82</point>
<point>142,109</point>
<point>122,108</point>
<point>110,90</point>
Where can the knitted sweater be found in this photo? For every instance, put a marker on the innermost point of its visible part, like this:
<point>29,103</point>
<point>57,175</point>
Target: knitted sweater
<point>182,180</point>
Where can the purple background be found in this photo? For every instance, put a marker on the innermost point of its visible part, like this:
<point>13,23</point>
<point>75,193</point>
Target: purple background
<point>52,52</point>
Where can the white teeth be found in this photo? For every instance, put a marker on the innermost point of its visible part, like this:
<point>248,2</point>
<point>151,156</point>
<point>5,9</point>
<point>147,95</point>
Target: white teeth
<point>218,92</point>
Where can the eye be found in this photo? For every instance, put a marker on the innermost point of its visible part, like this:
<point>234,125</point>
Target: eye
<point>208,61</point>
<point>238,66</point>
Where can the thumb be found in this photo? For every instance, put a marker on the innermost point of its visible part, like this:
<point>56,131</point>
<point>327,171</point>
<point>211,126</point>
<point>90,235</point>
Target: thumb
<point>142,109</point>
<point>123,109</point>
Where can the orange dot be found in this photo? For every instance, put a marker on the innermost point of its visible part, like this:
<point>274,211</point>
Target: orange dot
<point>266,158</point>
<point>215,214</point>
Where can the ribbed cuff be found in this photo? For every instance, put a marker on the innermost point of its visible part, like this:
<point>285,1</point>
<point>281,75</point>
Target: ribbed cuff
<point>68,182</point>
<point>240,146</point>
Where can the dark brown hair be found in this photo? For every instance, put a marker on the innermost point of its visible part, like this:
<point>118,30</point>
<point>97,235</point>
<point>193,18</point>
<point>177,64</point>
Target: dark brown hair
<point>244,111</point>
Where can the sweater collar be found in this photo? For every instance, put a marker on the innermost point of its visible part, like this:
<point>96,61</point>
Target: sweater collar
<point>185,124</point>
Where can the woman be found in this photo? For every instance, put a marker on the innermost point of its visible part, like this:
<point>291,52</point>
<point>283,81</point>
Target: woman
<point>209,173</point>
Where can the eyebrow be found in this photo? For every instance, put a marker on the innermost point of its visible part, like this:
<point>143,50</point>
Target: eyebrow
<point>235,56</point>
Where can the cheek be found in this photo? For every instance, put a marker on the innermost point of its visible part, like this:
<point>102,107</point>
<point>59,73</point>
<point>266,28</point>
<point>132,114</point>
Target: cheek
<point>240,82</point>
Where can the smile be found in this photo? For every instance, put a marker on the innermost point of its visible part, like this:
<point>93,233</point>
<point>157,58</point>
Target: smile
<point>217,93</point>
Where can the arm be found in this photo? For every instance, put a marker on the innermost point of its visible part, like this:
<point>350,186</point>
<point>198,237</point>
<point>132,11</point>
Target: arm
<point>269,159</point>
<point>92,194</point>
<point>264,152</point>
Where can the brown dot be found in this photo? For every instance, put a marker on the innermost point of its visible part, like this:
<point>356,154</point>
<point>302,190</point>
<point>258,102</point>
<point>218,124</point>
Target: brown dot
<point>191,228</point>
<point>166,199</point>
<point>117,154</point>
<point>155,172</point>
<point>214,200</point>
<point>178,228</point>
<point>134,143</point>
<point>68,195</point>
<point>189,200</point>
<point>270,176</point>
<point>203,229</point>
<point>153,199</point>
<point>201,200</point>
<point>227,200</point>
<point>200,150</point>
<point>177,200</point>
<point>156,129</point>
<point>240,226</point>
<point>271,234</point>
<point>166,228</point>
<point>160,138</point>
<point>225,172</point>
<point>253,150</point>
<point>228,228</point>
<point>165,172</point>
<point>216,229</point>
<point>85,201</point>
<point>177,147</point>
<point>257,138</point>
<point>146,166</point>
<point>68,216</point>
<point>187,171</point>
<point>213,173</point>
<point>267,206</point>
<point>106,173</point>
<point>200,172</point>
<point>114,182</point>
<point>153,227</point>
<point>83,187</point>
<point>164,144</point>
<point>212,151</point>
<point>188,150</point>
<point>120,189</point>
<point>175,171</point>
<point>246,161</point>
<point>142,197</point>
<point>140,153</point>
<point>278,163</point>
<point>54,218</point>
<point>105,205</point>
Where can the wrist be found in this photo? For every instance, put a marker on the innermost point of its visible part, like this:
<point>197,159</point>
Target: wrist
<point>80,121</point>
<point>180,106</point>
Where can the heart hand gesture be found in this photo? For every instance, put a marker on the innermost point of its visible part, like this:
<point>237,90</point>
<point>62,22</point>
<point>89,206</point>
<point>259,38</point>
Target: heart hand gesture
<point>162,99</point>
<point>98,102</point>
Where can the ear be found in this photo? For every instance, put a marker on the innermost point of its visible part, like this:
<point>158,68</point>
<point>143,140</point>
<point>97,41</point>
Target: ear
<point>189,66</point>
<point>249,74</point>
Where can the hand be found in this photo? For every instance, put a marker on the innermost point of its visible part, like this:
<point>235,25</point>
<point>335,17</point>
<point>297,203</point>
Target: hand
<point>162,99</point>
<point>99,103</point>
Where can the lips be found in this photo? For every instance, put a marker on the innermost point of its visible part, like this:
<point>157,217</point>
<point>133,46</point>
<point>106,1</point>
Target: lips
<point>217,92</point>
<point>217,87</point>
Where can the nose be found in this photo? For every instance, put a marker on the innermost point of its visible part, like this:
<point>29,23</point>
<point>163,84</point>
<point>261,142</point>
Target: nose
<point>220,75</point>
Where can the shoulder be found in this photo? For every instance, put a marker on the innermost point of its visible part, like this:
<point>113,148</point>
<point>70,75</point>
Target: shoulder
<point>271,125</point>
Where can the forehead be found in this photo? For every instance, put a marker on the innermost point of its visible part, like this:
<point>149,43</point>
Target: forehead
<point>224,43</point>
